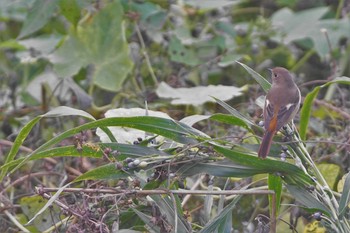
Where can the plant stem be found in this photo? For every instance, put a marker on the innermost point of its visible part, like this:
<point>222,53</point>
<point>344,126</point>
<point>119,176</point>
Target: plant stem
<point>143,47</point>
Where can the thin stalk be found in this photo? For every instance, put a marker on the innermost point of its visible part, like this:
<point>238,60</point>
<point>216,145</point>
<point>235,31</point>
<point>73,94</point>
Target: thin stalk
<point>143,47</point>
<point>339,8</point>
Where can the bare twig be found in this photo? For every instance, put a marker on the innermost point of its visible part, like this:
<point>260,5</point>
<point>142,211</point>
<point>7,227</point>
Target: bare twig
<point>159,191</point>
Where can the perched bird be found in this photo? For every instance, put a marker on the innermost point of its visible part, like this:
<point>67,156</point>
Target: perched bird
<point>281,104</point>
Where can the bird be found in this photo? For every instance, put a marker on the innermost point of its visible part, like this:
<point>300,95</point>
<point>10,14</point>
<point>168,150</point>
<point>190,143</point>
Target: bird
<point>281,105</point>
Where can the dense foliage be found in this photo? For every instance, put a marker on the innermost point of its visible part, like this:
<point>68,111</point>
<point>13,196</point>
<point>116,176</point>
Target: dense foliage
<point>137,116</point>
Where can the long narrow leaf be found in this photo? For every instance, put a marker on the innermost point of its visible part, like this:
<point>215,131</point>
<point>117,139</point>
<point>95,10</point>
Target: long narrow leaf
<point>345,197</point>
<point>225,168</point>
<point>258,78</point>
<point>275,184</point>
<point>92,151</point>
<point>220,221</point>
<point>17,143</point>
<point>105,172</point>
<point>305,112</point>
<point>308,200</point>
<point>284,169</point>
<point>307,106</point>
<point>171,129</point>
<point>235,113</point>
<point>166,206</point>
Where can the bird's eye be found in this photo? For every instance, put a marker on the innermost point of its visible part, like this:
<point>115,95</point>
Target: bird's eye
<point>275,75</point>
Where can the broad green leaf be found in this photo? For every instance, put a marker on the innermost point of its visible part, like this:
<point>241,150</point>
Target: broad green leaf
<point>210,4</point>
<point>31,205</point>
<point>70,9</point>
<point>307,199</point>
<point>100,43</point>
<point>307,106</point>
<point>38,16</point>
<point>275,183</point>
<point>197,95</point>
<point>226,27</point>
<point>15,10</point>
<point>345,196</point>
<point>151,14</point>
<point>221,220</point>
<point>330,172</point>
<point>258,78</point>
<point>293,26</point>
<point>179,53</point>
<point>105,172</point>
<point>48,203</point>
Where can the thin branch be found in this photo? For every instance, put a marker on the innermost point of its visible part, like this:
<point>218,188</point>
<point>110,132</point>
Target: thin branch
<point>159,191</point>
<point>143,47</point>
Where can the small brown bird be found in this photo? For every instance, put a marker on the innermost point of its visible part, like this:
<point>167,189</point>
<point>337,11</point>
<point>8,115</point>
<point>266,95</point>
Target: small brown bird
<point>281,104</point>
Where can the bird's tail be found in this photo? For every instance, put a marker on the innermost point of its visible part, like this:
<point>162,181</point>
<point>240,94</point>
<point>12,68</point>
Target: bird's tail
<point>265,145</point>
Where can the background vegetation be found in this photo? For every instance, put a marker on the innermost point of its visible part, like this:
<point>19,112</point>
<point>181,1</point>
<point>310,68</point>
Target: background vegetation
<point>171,155</point>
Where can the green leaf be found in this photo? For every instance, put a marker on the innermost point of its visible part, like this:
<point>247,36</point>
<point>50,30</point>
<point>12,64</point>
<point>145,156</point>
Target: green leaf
<point>305,112</point>
<point>289,172</point>
<point>105,172</point>
<point>330,172</point>
<point>307,106</point>
<point>275,184</point>
<point>234,112</point>
<point>64,151</point>
<point>67,111</point>
<point>179,53</point>
<point>225,168</point>
<point>293,26</point>
<point>229,119</point>
<point>71,10</point>
<point>11,44</point>
<point>166,206</point>
<point>171,129</point>
<point>345,197</point>
<point>229,59</point>
<point>147,219</point>
<point>38,16</point>
<point>60,111</point>
<point>222,219</point>
<point>17,143</point>
<point>31,205</point>
<point>308,200</point>
<point>151,14</point>
<point>258,78</point>
<point>49,203</point>
<point>100,43</point>
<point>209,4</point>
